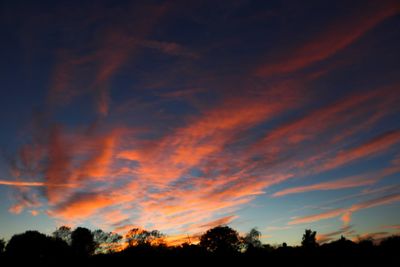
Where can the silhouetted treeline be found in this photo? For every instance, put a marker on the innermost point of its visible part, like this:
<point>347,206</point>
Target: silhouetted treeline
<point>220,245</point>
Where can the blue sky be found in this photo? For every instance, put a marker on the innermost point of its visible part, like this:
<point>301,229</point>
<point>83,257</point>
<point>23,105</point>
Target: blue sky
<point>179,116</point>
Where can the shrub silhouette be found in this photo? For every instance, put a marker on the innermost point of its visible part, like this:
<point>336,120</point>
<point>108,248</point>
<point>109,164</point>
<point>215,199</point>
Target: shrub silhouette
<point>309,240</point>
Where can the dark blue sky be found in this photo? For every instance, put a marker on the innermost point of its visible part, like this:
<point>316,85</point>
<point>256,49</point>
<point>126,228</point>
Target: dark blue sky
<point>180,115</point>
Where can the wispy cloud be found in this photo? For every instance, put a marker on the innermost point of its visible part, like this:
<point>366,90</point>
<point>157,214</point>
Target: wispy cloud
<point>326,237</point>
<point>34,184</point>
<point>372,147</point>
<point>346,212</point>
<point>332,39</point>
<point>347,182</point>
<point>79,72</point>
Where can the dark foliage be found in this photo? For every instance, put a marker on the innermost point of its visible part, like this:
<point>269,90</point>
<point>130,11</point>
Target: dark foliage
<point>309,240</point>
<point>64,233</point>
<point>140,237</point>
<point>36,248</point>
<point>221,245</point>
<point>82,242</point>
<point>221,239</point>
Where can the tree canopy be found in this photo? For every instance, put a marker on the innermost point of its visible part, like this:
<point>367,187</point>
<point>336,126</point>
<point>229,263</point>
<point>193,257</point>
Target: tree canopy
<point>221,239</point>
<point>100,248</point>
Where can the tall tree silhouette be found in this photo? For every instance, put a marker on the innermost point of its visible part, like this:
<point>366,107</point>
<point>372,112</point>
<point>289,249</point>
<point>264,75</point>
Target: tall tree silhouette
<point>221,239</point>
<point>309,239</point>
<point>82,242</point>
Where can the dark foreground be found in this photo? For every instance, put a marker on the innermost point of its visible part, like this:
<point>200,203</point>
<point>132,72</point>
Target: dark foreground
<point>219,246</point>
<point>340,254</point>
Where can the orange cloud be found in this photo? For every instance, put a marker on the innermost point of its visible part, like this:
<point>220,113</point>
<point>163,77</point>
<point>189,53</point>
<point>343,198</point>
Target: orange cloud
<point>24,201</point>
<point>34,212</point>
<point>206,136</point>
<point>76,158</point>
<point>346,218</point>
<point>338,115</point>
<point>151,182</point>
<point>168,196</point>
<point>82,206</point>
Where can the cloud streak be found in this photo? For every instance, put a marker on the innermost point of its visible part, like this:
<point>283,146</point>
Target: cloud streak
<point>346,212</point>
<point>34,184</point>
<point>348,182</point>
<point>333,38</point>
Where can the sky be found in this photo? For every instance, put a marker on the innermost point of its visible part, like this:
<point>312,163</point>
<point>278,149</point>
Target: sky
<point>183,115</point>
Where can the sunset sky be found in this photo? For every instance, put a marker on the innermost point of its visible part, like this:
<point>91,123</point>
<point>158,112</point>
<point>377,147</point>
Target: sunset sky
<point>183,115</point>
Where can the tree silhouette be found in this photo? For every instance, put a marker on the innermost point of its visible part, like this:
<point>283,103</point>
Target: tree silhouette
<point>391,242</point>
<point>106,241</point>
<point>97,248</point>
<point>33,246</point>
<point>82,242</point>
<point>309,239</point>
<point>64,233</point>
<point>221,239</point>
<point>252,240</point>
<point>141,237</point>
<point>30,244</point>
